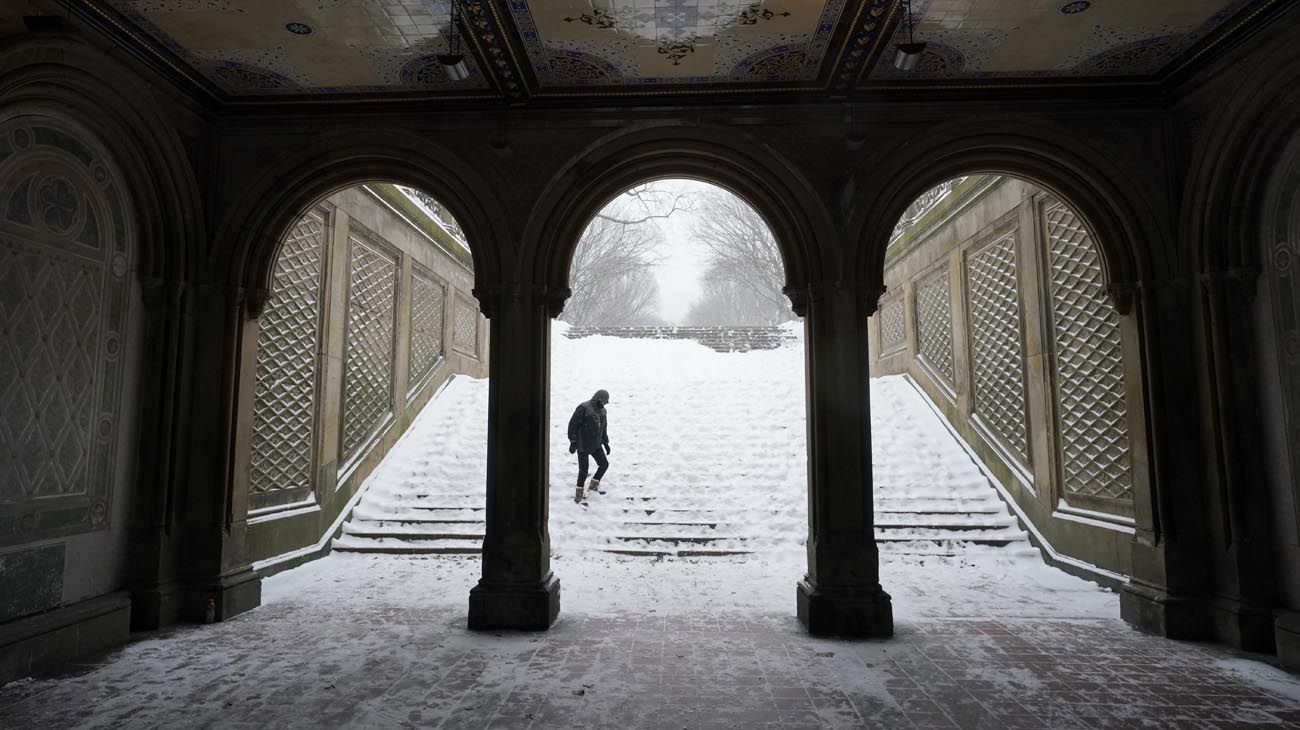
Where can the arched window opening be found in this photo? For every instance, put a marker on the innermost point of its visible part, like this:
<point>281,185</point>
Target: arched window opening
<point>997,310</point>
<point>678,314</point>
<point>370,311</point>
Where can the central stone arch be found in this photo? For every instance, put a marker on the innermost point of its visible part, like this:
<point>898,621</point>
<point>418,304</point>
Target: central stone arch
<point>780,193</point>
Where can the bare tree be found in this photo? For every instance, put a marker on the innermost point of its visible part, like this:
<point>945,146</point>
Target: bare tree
<point>746,273</point>
<point>612,273</point>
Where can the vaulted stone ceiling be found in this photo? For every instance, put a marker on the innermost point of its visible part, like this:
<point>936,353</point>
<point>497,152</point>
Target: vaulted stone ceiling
<point>525,49</point>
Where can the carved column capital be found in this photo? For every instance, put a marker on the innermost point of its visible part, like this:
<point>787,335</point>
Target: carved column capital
<point>1121,295</point>
<point>798,299</point>
<point>869,295</point>
<point>491,298</point>
<point>255,301</point>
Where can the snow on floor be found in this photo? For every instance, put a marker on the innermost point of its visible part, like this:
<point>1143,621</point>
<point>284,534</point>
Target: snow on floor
<point>990,637</point>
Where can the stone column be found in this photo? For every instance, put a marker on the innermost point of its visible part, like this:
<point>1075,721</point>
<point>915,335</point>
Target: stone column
<point>1246,591</point>
<point>214,514</point>
<point>841,594</point>
<point>155,545</point>
<point>518,589</point>
<point>1165,595</point>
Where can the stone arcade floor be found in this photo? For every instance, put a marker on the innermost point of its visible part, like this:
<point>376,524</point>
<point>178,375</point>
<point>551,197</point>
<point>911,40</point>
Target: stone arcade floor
<point>379,641</point>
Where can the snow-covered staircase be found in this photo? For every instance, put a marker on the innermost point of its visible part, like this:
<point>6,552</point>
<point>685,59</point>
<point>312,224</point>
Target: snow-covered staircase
<point>708,459</point>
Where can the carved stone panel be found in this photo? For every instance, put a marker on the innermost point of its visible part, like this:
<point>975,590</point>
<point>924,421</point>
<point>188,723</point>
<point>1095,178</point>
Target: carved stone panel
<point>428,299</point>
<point>466,327</point>
<point>893,335</point>
<point>368,372</point>
<point>997,352</point>
<point>1089,362</point>
<point>284,401</point>
<point>65,288</point>
<point>934,323</point>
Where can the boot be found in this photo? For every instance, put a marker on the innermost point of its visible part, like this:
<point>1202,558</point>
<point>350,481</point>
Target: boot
<point>595,486</point>
<point>577,496</point>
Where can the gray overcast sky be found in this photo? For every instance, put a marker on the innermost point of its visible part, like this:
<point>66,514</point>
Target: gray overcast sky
<point>683,257</point>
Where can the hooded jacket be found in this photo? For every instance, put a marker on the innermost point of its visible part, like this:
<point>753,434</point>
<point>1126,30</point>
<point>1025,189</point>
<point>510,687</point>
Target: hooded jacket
<point>587,426</point>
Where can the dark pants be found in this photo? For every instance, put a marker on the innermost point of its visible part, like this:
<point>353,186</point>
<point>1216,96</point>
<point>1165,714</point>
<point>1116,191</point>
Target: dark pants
<point>602,463</point>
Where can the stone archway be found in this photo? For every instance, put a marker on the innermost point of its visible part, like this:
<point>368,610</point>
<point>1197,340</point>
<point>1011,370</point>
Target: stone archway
<point>841,593</point>
<point>1277,349</point>
<point>1146,281</point>
<point>60,78</point>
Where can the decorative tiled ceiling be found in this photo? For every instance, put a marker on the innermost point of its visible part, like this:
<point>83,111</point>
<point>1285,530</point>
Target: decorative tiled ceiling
<point>306,46</point>
<point>656,42</point>
<point>1044,38</point>
<point>520,49</point>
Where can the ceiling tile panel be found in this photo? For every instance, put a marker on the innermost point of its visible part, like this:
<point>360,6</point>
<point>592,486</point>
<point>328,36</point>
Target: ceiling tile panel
<point>306,46</point>
<point>523,48</point>
<point>574,43</point>
<point>1056,38</point>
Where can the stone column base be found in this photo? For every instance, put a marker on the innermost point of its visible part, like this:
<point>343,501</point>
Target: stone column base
<point>36,644</point>
<point>1286,632</point>
<point>231,596</point>
<point>1243,625</point>
<point>1157,612</point>
<point>526,607</point>
<point>156,606</point>
<point>857,615</point>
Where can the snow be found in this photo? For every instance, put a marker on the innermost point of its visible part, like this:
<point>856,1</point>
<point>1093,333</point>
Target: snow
<point>708,453</point>
<point>373,640</point>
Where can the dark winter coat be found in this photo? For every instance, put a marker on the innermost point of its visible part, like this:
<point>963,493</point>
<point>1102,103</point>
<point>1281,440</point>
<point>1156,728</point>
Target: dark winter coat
<point>587,427</point>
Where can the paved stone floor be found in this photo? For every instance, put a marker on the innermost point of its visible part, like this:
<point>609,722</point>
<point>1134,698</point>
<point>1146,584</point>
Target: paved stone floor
<point>356,649</point>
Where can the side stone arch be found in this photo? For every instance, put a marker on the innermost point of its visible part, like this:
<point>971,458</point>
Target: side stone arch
<point>67,303</point>
<point>62,77</point>
<point>1122,197</point>
<point>785,198</point>
<point>65,76</point>
<point>1116,210</point>
<point>1239,221</point>
<point>270,204</point>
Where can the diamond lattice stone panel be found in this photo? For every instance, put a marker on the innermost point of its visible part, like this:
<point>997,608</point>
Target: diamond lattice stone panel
<point>284,400</point>
<point>427,304</point>
<point>934,322</point>
<point>368,379</point>
<point>1089,364</point>
<point>997,358</point>
<point>892,333</point>
<point>65,293</point>
<point>466,327</point>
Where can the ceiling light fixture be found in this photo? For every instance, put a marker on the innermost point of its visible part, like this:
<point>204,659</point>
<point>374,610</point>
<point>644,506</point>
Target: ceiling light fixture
<point>909,53</point>
<point>453,62</point>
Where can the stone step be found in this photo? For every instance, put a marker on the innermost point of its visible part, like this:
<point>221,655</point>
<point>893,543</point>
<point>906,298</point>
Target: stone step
<point>460,546</point>
<point>408,534</point>
<point>666,552</point>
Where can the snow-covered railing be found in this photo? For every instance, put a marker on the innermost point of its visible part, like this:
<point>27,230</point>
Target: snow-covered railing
<point>437,212</point>
<point>721,339</point>
<point>923,205</point>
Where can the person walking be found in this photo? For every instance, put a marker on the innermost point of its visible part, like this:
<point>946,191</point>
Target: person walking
<point>587,437</point>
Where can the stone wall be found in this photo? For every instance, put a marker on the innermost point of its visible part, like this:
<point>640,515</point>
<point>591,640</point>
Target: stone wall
<point>371,311</point>
<point>996,305</point>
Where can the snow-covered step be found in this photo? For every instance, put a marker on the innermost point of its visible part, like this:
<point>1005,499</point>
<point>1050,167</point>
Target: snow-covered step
<point>395,533</point>
<point>664,495</point>
<point>352,543</point>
